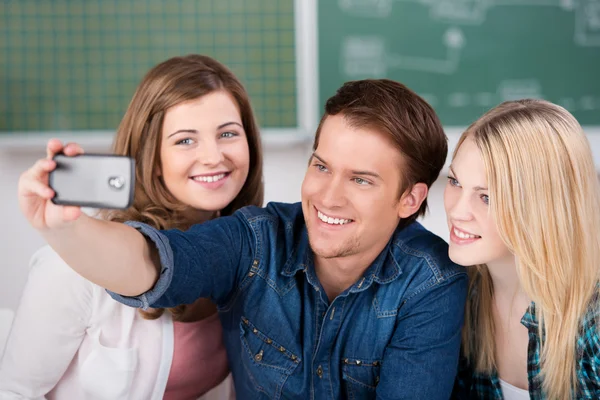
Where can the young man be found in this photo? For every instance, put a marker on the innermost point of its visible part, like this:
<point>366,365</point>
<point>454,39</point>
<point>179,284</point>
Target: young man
<point>341,296</point>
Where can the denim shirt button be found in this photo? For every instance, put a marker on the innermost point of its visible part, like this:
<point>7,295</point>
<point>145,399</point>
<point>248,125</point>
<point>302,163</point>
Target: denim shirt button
<point>259,356</point>
<point>269,341</point>
<point>319,371</point>
<point>282,349</point>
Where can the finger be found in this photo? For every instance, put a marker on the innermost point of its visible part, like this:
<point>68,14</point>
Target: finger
<point>72,149</point>
<point>71,213</point>
<point>36,188</point>
<point>41,168</point>
<point>54,146</point>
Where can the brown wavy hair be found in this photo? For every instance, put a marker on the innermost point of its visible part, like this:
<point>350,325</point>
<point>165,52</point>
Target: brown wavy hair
<point>139,135</point>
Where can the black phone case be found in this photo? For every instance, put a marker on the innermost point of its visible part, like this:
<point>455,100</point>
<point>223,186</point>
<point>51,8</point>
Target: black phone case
<point>93,180</point>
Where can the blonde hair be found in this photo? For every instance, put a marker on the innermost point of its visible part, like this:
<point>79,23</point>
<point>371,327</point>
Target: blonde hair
<point>169,83</point>
<point>545,198</point>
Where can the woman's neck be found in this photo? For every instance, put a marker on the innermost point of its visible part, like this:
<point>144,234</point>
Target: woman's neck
<point>508,291</point>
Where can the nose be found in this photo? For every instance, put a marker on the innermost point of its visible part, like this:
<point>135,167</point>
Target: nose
<point>333,193</point>
<point>210,153</point>
<point>458,206</point>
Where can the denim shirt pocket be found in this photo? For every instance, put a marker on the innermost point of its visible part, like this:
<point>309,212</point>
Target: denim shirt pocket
<point>267,363</point>
<point>360,377</point>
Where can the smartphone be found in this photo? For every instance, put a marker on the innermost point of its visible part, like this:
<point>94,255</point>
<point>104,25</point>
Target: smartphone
<point>93,180</point>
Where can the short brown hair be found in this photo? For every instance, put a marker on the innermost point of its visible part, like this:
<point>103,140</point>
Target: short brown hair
<point>405,118</point>
<point>170,83</point>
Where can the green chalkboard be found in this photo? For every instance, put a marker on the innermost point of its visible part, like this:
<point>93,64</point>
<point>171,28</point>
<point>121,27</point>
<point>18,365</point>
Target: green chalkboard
<point>69,65</point>
<point>466,56</point>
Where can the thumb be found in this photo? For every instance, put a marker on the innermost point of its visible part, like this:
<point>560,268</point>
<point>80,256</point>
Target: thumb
<point>71,213</point>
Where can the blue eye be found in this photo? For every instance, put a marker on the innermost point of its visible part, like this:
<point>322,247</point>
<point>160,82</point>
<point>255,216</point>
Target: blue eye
<point>362,181</point>
<point>453,182</point>
<point>185,141</point>
<point>485,198</point>
<point>321,167</point>
<point>228,134</point>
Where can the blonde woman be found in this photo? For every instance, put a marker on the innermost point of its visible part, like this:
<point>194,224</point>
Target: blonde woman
<point>197,150</point>
<point>523,207</point>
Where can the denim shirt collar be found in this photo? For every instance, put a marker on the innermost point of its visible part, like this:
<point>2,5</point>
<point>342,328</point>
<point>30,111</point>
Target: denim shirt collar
<point>300,258</point>
<point>384,269</point>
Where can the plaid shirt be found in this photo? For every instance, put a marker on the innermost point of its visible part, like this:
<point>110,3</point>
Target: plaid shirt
<point>471,385</point>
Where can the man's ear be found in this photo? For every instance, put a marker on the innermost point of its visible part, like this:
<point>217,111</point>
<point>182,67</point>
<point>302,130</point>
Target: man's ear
<point>411,200</point>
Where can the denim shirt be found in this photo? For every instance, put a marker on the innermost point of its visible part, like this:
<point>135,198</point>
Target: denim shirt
<point>394,334</point>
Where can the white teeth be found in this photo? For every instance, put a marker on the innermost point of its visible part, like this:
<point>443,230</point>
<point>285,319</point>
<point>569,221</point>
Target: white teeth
<point>332,221</point>
<point>209,179</point>
<point>464,235</point>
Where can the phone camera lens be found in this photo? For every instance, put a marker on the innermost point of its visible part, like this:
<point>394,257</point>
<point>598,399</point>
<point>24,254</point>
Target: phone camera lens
<point>116,182</point>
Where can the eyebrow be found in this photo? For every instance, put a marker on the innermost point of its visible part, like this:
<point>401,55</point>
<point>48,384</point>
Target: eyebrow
<point>354,172</point>
<point>194,131</point>
<point>476,188</point>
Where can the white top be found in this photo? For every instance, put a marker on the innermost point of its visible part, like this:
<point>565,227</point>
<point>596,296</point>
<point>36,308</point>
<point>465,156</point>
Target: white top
<point>510,392</point>
<point>71,340</point>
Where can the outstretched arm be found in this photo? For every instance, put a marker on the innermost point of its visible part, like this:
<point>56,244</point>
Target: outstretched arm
<point>112,255</point>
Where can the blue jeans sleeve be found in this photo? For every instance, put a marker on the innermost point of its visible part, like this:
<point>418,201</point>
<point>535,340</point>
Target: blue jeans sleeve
<point>205,261</point>
<point>422,358</point>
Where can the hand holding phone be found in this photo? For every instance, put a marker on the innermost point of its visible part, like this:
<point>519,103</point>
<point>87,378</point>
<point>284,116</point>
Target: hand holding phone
<point>36,196</point>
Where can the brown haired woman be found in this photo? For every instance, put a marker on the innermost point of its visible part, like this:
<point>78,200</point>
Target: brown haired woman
<point>197,151</point>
